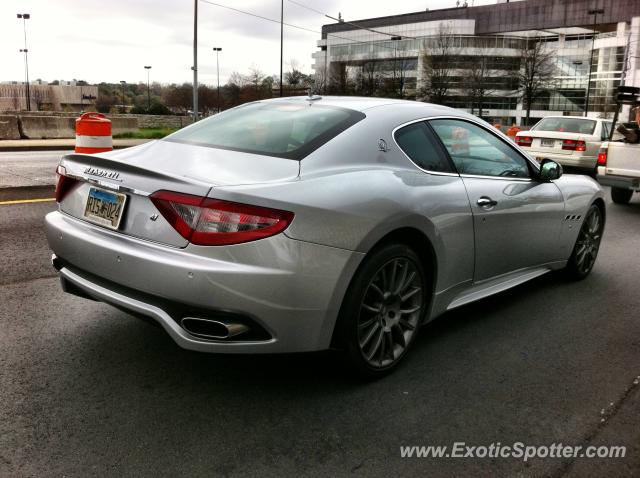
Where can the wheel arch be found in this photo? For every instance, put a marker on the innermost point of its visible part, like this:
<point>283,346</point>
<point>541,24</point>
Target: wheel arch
<point>599,202</point>
<point>419,242</point>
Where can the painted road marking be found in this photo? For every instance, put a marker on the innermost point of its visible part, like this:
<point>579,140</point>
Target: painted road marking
<point>26,201</point>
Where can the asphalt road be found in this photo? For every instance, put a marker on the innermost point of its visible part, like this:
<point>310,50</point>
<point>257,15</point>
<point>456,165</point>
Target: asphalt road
<point>28,168</point>
<point>86,390</point>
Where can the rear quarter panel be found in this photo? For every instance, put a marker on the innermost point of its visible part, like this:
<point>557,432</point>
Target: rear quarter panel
<point>351,193</point>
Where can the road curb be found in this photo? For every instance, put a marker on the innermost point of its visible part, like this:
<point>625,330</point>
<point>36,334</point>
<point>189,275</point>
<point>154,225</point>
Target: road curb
<point>26,148</point>
<point>27,192</point>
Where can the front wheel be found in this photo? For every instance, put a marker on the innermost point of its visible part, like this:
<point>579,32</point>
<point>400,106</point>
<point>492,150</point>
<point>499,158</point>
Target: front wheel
<point>383,309</point>
<point>621,195</point>
<point>587,245</point>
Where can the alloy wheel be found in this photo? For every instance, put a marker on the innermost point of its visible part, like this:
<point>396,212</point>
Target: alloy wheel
<point>390,312</point>
<point>588,241</point>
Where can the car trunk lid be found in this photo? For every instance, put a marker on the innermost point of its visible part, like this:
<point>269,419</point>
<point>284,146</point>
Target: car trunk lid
<point>551,141</point>
<point>133,174</point>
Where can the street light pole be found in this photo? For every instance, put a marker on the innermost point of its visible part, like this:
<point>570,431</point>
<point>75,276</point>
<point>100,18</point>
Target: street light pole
<point>195,60</point>
<point>148,91</point>
<point>594,12</point>
<point>122,82</point>
<point>281,41</point>
<point>218,50</point>
<point>25,17</point>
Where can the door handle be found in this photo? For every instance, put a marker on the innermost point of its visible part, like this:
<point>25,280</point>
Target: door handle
<point>486,202</point>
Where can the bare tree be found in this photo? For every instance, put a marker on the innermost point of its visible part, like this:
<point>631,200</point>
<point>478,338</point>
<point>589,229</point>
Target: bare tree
<point>237,79</point>
<point>370,78</point>
<point>400,66</point>
<point>536,74</point>
<point>255,78</point>
<point>437,68</point>
<point>476,83</point>
<point>179,97</point>
<point>320,79</point>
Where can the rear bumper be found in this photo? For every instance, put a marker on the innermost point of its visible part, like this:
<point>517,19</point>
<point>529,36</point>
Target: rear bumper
<point>583,162</point>
<point>618,181</point>
<point>290,289</point>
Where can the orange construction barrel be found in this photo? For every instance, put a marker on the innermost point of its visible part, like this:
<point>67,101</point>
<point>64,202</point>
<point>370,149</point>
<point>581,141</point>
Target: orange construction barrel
<point>93,133</point>
<point>513,131</point>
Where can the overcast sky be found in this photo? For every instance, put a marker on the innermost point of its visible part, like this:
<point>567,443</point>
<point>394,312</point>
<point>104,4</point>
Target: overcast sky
<point>112,40</point>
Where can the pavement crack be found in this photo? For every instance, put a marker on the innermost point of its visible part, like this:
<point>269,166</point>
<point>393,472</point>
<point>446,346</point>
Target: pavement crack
<point>606,414</point>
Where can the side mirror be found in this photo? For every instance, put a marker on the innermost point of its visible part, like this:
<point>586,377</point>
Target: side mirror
<point>550,170</point>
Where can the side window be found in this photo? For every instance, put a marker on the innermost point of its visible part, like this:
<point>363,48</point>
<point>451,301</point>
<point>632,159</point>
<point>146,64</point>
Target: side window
<point>475,150</point>
<point>418,142</point>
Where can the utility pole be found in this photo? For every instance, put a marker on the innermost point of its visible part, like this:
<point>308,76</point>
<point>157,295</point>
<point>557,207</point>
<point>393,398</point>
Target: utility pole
<point>25,17</point>
<point>122,82</point>
<point>594,12</point>
<point>195,60</point>
<point>148,68</point>
<point>281,41</point>
<point>218,50</point>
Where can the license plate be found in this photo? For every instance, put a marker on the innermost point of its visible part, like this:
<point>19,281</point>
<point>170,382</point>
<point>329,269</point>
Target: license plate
<point>104,207</point>
<point>548,143</point>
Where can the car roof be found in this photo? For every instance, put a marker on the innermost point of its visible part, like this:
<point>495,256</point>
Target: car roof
<point>360,103</point>
<point>575,118</point>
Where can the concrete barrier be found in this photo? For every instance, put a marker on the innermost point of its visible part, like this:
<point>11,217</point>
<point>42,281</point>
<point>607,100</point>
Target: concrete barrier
<point>121,125</point>
<point>9,127</point>
<point>45,127</point>
<point>51,125</point>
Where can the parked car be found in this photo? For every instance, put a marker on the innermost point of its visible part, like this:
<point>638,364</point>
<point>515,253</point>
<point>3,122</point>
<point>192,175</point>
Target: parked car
<point>568,140</point>
<point>310,223</point>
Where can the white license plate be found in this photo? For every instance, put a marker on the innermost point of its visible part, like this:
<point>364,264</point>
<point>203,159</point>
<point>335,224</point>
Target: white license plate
<point>548,143</point>
<point>104,207</point>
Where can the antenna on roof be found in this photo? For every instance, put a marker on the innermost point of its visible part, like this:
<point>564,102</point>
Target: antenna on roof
<point>313,97</point>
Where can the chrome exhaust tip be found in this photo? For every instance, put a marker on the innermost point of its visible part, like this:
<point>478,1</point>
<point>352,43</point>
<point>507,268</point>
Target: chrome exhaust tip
<point>212,329</point>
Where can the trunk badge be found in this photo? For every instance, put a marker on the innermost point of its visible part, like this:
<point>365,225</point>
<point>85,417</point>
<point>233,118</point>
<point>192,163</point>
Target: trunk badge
<point>154,217</point>
<point>101,173</point>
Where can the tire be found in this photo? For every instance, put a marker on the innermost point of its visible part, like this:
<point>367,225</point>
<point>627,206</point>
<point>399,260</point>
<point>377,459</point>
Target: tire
<point>621,195</point>
<point>382,311</point>
<point>585,250</point>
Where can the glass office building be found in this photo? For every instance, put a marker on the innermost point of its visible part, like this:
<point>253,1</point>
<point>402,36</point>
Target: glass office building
<point>591,52</point>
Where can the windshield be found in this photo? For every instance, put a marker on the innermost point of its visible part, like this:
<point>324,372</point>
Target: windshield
<point>283,129</point>
<point>566,125</point>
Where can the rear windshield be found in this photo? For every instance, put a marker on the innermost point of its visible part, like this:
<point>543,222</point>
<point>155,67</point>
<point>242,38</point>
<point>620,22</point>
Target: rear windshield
<point>283,129</point>
<point>566,125</point>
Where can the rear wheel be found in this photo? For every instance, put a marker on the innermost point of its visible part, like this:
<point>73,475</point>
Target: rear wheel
<point>621,195</point>
<point>383,310</point>
<point>587,245</point>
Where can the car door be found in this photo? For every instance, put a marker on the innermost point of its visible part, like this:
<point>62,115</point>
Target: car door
<point>517,218</point>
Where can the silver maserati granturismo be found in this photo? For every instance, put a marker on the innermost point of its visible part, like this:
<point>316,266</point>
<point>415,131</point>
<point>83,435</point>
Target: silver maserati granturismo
<point>311,223</point>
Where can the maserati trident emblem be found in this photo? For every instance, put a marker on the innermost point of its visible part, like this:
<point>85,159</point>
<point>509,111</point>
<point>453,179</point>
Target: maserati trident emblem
<point>382,145</point>
<point>101,173</point>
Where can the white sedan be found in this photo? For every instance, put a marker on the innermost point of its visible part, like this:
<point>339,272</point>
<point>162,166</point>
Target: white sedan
<point>568,140</point>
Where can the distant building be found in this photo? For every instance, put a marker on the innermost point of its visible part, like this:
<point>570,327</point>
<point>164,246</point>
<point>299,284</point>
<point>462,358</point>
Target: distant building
<point>352,53</point>
<point>65,96</point>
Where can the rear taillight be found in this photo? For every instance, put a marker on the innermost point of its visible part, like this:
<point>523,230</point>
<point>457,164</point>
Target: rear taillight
<point>573,145</point>
<point>64,183</point>
<point>602,157</point>
<point>213,222</point>
<point>524,140</point>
